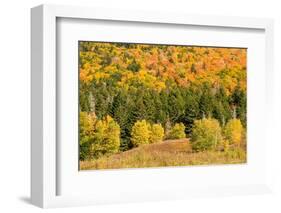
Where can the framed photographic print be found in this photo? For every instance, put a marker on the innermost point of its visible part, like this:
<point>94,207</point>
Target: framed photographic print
<point>129,106</point>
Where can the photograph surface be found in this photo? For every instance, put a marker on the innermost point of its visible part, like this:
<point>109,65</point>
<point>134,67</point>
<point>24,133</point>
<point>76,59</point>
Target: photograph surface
<point>157,105</point>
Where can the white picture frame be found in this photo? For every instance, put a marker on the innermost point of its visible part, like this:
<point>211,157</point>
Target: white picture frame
<point>45,170</point>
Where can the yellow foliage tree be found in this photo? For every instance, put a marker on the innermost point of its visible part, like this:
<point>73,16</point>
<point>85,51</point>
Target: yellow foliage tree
<point>234,132</point>
<point>106,138</point>
<point>87,123</point>
<point>140,133</point>
<point>206,134</point>
<point>177,132</point>
<point>157,133</point>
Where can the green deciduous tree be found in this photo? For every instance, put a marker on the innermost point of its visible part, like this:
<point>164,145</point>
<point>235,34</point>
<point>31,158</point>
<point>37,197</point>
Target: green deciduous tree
<point>206,134</point>
<point>177,131</point>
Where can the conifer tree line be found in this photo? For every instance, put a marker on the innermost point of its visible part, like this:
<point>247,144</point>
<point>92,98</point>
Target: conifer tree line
<point>132,94</point>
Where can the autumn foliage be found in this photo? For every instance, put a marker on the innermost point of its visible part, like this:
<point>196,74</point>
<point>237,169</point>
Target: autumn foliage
<point>177,132</point>
<point>154,65</point>
<point>142,94</point>
<point>140,133</point>
<point>98,137</point>
<point>106,138</point>
<point>206,134</point>
<point>156,133</point>
<point>234,132</point>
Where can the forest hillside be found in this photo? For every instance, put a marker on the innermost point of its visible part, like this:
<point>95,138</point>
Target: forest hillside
<point>130,90</point>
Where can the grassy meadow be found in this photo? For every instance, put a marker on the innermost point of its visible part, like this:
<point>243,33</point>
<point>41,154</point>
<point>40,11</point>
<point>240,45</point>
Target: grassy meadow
<point>148,105</point>
<point>162,154</point>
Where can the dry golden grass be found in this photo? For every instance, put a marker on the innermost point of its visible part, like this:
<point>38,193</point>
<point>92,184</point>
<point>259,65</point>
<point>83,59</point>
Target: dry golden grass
<point>167,153</point>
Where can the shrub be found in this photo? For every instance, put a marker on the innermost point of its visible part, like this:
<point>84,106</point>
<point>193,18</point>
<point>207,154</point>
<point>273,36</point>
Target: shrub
<point>156,133</point>
<point>206,135</point>
<point>140,133</point>
<point>177,132</point>
<point>106,138</point>
<point>234,132</point>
